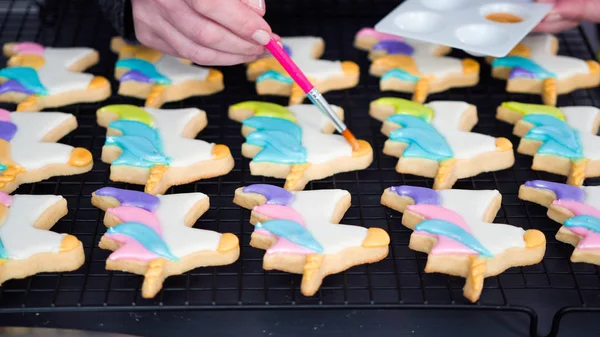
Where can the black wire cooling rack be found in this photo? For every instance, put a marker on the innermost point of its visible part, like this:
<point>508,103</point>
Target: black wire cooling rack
<point>536,300</point>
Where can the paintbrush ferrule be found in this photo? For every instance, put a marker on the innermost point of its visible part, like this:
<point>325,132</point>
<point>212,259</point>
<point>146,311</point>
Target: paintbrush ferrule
<point>318,100</point>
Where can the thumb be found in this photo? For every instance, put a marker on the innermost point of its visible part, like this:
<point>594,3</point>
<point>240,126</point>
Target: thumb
<point>578,10</point>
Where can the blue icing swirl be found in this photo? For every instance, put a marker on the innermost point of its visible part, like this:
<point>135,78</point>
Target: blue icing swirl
<point>401,75</point>
<point>293,232</point>
<point>137,129</point>
<point>423,139</point>
<point>145,68</point>
<point>3,253</point>
<point>137,151</point>
<point>558,138</point>
<point>453,232</point>
<point>275,76</point>
<point>27,77</point>
<point>588,222</point>
<point>280,139</point>
<point>524,63</point>
<point>146,236</point>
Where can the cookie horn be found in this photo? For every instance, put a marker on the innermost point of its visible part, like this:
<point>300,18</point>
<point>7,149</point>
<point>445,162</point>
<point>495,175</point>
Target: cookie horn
<point>312,278</point>
<point>156,98</point>
<point>154,278</point>
<point>445,177</point>
<point>296,179</point>
<point>421,90</point>
<point>475,277</point>
<point>577,173</point>
<point>549,91</point>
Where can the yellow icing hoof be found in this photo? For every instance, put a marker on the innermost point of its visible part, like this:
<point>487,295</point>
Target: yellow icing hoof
<point>376,237</point>
<point>214,76</point>
<point>503,144</point>
<point>470,66</point>
<point>27,60</point>
<point>350,68</point>
<point>68,243</point>
<point>80,157</point>
<point>363,148</point>
<point>98,82</point>
<point>220,151</point>
<point>534,238</point>
<point>228,243</point>
<point>594,66</point>
<point>521,50</point>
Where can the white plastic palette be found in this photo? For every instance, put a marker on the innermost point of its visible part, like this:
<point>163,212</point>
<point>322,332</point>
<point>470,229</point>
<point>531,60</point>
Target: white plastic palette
<point>462,23</point>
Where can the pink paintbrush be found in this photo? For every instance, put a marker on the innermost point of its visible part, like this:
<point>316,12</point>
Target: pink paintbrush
<point>313,94</point>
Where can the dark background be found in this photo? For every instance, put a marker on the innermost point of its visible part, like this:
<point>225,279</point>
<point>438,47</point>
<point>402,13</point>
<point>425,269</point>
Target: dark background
<point>393,297</point>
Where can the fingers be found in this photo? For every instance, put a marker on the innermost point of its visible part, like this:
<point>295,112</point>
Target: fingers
<point>555,26</point>
<point>202,55</point>
<point>257,5</point>
<point>207,33</point>
<point>234,15</point>
<point>578,10</point>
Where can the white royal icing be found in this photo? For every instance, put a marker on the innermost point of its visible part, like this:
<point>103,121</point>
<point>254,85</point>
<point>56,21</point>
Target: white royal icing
<point>421,48</point>
<point>170,124</point>
<point>439,67</point>
<point>320,147</point>
<point>301,49</point>
<point>27,149</point>
<point>472,205</point>
<point>180,239</point>
<point>54,74</point>
<point>592,195</point>
<point>563,66</point>
<point>179,72</point>
<point>582,119</point>
<point>20,239</point>
<point>317,208</point>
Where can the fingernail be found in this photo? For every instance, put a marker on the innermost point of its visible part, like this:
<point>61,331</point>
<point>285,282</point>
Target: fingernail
<point>258,4</point>
<point>553,16</point>
<point>261,37</point>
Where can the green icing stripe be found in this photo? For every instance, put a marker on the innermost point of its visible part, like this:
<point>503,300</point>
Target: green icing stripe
<point>264,109</point>
<point>405,107</point>
<point>129,112</point>
<point>537,109</point>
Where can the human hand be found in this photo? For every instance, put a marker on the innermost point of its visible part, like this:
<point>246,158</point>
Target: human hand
<point>207,32</point>
<point>567,14</point>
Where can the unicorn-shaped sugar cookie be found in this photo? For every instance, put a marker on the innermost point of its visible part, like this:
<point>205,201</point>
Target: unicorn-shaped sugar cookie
<point>153,235</point>
<point>533,67</point>
<point>381,44</point>
<point>295,143</point>
<point>29,152</point>
<point>576,208</point>
<point>27,246</point>
<point>39,77</point>
<point>301,234</point>
<point>325,75</point>
<point>561,140</point>
<point>455,229</point>
<point>434,140</point>
<point>159,78</point>
<point>156,147</point>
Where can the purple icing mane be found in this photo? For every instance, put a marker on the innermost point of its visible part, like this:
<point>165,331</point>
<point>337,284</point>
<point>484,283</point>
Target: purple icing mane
<point>137,76</point>
<point>518,72</point>
<point>7,130</point>
<point>393,47</point>
<point>14,86</point>
<point>562,191</point>
<point>421,195</point>
<point>275,195</point>
<point>143,200</point>
<point>287,50</point>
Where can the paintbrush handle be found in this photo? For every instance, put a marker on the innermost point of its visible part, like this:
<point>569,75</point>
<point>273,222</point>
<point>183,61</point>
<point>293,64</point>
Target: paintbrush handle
<point>290,66</point>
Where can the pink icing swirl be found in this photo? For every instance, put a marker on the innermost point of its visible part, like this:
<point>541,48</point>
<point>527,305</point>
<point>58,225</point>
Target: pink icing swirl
<point>5,199</point>
<point>372,33</point>
<point>591,239</point>
<point>279,212</point>
<point>29,48</point>
<point>4,115</point>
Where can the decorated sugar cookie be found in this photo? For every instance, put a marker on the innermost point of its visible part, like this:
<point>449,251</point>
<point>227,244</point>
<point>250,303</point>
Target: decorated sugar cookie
<point>455,229</point>
<point>301,234</point>
<point>159,78</point>
<point>576,208</point>
<point>153,235</point>
<point>156,148</point>
<point>561,140</point>
<point>29,152</point>
<point>294,143</point>
<point>380,44</point>
<point>533,67</point>
<point>39,77</point>
<point>423,74</point>
<point>434,140</point>
<point>27,246</point>
<point>325,75</point>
